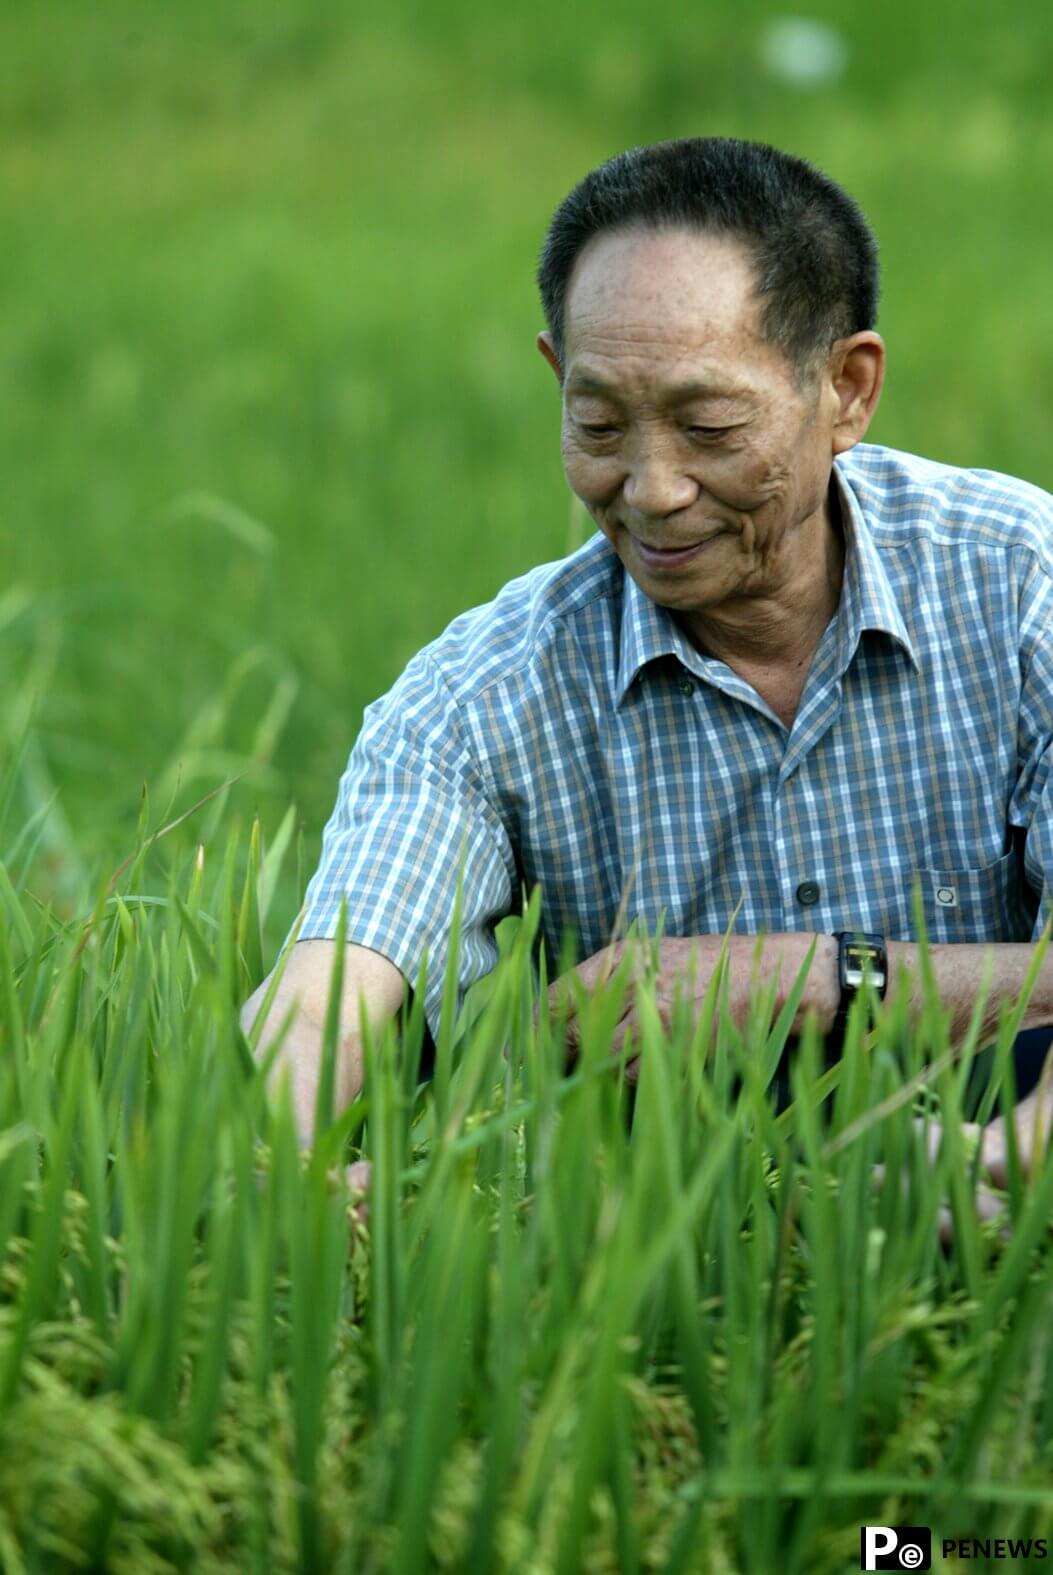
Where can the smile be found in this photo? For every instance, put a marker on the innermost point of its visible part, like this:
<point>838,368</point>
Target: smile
<point>657,558</point>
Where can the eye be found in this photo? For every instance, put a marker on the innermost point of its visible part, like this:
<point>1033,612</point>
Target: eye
<point>598,431</point>
<point>707,434</point>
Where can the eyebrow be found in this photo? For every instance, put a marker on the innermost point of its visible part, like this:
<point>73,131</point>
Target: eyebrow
<point>581,382</point>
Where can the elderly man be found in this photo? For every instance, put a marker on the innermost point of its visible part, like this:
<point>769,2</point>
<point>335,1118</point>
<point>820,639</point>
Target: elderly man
<point>790,671</point>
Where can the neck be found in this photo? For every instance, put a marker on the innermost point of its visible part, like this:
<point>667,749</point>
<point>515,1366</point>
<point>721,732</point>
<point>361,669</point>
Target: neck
<point>781,627</point>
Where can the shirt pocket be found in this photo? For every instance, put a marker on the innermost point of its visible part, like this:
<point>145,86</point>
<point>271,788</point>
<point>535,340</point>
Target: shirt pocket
<point>985,904</point>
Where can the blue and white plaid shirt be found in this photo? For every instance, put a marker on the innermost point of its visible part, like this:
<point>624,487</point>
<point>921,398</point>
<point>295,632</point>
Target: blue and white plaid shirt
<point>573,733</point>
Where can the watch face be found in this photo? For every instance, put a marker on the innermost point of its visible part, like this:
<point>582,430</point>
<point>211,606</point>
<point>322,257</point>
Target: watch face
<point>856,953</point>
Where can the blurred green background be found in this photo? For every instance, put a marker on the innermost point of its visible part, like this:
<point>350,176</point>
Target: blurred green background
<point>271,413</point>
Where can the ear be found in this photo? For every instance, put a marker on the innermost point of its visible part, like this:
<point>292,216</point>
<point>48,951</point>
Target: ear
<point>548,350</point>
<point>857,371</point>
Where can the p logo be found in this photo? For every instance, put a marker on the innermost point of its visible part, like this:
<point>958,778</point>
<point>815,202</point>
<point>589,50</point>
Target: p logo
<point>895,1548</point>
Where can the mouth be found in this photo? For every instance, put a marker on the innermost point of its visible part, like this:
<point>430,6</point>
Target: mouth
<point>659,556</point>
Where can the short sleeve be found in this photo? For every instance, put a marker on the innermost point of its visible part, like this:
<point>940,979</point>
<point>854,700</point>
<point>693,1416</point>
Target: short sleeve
<point>1031,805</point>
<point>412,793</point>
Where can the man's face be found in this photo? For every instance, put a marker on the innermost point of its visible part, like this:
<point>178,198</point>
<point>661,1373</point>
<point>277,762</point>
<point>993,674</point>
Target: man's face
<point>681,425</point>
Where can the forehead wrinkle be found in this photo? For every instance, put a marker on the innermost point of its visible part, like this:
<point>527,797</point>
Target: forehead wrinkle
<point>661,299</point>
<point>584,380</point>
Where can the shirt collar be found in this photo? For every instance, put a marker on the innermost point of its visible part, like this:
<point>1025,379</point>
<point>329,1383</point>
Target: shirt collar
<point>867,602</point>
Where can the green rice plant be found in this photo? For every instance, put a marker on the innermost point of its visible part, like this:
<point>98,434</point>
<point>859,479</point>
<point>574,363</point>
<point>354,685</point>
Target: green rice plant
<point>590,1326</point>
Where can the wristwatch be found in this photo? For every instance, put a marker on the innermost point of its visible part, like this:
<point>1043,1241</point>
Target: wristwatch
<point>854,948</point>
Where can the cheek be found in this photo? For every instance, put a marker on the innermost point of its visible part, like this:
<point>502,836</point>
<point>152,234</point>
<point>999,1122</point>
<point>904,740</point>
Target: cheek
<point>774,480</point>
<point>807,480</point>
<point>590,475</point>
<point>752,478</point>
<point>784,493</point>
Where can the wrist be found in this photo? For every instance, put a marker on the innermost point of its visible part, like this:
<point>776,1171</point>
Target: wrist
<point>903,954</point>
<point>821,992</point>
<point>823,995</point>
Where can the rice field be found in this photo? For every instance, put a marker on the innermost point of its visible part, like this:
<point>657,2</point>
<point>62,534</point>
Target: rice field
<point>584,1329</point>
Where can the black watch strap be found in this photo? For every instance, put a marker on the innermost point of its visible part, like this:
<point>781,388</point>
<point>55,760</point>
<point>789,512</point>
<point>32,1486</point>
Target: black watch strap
<point>856,949</point>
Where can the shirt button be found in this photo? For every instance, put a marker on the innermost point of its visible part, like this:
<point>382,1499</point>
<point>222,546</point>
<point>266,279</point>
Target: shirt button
<point>807,893</point>
<point>686,686</point>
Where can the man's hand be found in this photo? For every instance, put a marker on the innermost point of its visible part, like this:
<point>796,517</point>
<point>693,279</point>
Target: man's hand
<point>687,963</point>
<point>369,979</point>
<point>1032,1123</point>
<point>988,1204</point>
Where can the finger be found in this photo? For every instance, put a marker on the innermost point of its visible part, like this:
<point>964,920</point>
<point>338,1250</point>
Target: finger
<point>989,1205</point>
<point>974,1137</point>
<point>994,1151</point>
<point>932,1131</point>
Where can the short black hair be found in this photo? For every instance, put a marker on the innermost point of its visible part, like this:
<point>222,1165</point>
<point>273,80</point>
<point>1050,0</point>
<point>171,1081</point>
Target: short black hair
<point>815,255</point>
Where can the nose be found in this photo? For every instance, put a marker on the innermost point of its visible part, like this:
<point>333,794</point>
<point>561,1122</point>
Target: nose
<point>656,484</point>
